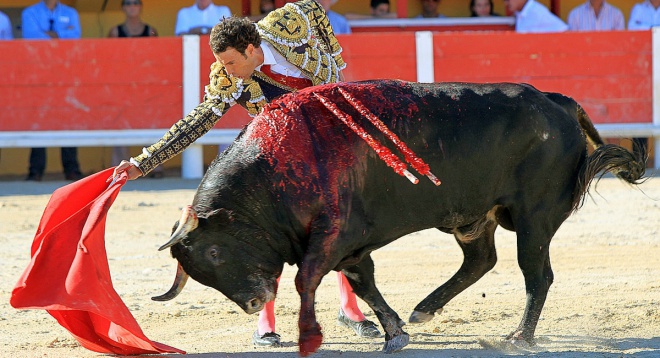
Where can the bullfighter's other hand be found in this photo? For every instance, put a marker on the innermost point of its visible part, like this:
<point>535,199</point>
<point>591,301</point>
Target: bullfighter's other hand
<point>131,170</point>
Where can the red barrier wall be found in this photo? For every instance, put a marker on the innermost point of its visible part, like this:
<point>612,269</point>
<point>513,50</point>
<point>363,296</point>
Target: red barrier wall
<point>136,83</point>
<point>608,73</point>
<point>90,84</point>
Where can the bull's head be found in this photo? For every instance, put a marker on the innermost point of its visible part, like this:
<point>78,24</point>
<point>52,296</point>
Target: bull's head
<point>227,254</point>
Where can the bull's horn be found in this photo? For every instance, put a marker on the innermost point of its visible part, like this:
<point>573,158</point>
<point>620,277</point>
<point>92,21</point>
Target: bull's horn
<point>179,282</point>
<point>187,223</point>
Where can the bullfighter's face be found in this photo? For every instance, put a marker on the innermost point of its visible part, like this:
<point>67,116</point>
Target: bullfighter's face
<point>239,64</point>
<point>225,254</point>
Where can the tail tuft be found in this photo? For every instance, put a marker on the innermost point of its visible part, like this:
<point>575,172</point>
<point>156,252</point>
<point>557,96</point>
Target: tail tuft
<point>609,158</point>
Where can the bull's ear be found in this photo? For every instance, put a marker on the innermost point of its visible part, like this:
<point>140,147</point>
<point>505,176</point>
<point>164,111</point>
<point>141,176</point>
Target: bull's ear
<point>221,216</point>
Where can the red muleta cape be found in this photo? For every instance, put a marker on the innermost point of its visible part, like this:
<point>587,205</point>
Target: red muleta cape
<point>69,276</point>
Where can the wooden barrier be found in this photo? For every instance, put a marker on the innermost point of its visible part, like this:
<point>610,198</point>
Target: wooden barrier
<point>130,91</point>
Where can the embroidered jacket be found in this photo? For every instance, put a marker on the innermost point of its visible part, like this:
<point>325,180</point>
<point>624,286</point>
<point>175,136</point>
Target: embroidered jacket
<point>301,33</point>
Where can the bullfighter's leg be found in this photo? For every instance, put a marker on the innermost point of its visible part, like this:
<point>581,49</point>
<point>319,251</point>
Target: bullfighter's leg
<point>479,256</point>
<point>349,312</point>
<point>265,335</point>
<point>534,262</point>
<point>361,278</point>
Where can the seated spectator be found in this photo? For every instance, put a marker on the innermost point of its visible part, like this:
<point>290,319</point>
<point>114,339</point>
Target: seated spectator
<point>39,22</point>
<point>338,23</point>
<point>133,26</point>
<point>380,9</point>
<point>645,15</point>
<point>595,15</point>
<point>534,17</point>
<point>265,7</point>
<point>199,18</point>
<point>482,8</point>
<point>430,10</point>
<point>5,27</point>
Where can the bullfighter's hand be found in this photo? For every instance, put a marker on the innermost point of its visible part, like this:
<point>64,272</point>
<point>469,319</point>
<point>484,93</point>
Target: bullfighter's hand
<point>131,170</point>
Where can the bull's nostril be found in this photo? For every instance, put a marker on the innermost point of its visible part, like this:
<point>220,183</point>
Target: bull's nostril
<point>254,305</point>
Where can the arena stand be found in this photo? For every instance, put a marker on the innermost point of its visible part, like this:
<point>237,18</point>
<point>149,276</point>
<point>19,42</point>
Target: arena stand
<point>90,93</point>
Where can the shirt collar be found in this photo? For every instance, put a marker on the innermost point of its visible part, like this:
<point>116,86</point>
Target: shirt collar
<point>526,8</point>
<point>269,58</point>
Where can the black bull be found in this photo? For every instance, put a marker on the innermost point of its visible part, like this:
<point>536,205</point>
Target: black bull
<point>299,185</point>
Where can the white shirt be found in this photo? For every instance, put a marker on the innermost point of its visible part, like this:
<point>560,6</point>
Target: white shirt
<point>278,63</point>
<point>5,27</point>
<point>535,17</point>
<point>191,17</point>
<point>644,16</point>
<point>583,18</point>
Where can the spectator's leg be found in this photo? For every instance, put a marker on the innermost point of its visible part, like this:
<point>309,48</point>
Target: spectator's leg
<point>70,163</point>
<point>37,164</point>
<point>119,154</point>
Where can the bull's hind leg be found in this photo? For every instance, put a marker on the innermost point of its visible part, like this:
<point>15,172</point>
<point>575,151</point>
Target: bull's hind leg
<point>478,244</point>
<point>361,278</point>
<point>534,261</point>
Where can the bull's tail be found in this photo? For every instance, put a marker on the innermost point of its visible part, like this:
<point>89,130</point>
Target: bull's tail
<point>605,158</point>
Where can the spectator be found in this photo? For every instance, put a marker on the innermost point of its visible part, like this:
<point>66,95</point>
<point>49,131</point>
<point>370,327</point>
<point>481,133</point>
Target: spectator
<point>254,66</point>
<point>339,24</point>
<point>5,27</point>
<point>380,9</point>
<point>534,17</point>
<point>482,8</point>
<point>595,15</point>
<point>265,7</point>
<point>133,26</point>
<point>199,18</point>
<point>645,15</point>
<point>430,10</point>
<point>48,19</point>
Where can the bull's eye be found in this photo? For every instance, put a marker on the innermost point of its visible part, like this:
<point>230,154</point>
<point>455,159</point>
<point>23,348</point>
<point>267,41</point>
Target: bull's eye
<point>213,254</point>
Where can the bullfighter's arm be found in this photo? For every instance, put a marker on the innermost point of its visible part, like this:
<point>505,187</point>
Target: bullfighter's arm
<point>181,135</point>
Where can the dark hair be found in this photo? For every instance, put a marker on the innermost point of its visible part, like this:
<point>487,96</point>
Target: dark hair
<point>234,32</point>
<point>375,3</point>
<point>474,14</point>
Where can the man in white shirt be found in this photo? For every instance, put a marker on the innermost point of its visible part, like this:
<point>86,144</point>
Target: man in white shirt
<point>534,17</point>
<point>596,15</point>
<point>5,27</point>
<point>645,15</point>
<point>199,18</point>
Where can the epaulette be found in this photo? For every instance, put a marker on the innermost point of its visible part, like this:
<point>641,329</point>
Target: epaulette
<point>232,90</point>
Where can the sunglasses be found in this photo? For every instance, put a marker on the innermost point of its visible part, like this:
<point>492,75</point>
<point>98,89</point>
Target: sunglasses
<point>129,3</point>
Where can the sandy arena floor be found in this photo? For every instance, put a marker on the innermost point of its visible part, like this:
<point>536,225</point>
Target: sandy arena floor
<point>605,301</point>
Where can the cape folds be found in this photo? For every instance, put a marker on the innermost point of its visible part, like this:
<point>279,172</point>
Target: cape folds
<point>69,276</point>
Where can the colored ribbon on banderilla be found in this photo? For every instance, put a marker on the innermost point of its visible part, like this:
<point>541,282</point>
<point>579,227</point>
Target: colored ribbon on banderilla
<point>385,154</point>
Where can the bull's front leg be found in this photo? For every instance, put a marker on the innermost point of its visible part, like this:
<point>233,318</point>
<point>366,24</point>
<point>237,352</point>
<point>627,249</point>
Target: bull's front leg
<point>361,278</point>
<point>308,280</point>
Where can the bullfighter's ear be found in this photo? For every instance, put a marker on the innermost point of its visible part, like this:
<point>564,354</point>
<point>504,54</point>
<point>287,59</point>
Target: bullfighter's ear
<point>221,216</point>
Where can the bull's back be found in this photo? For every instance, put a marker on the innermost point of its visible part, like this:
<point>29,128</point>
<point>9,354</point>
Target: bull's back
<point>493,144</point>
<point>489,144</point>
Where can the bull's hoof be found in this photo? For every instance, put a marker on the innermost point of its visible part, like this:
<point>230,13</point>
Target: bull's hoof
<point>396,343</point>
<point>310,341</point>
<point>422,317</point>
<point>520,338</point>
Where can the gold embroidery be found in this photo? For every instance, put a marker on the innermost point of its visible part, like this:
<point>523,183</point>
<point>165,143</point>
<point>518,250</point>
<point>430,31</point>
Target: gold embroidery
<point>301,32</point>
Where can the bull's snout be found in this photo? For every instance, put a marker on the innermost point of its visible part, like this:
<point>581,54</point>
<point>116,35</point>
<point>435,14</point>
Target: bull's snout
<point>254,305</point>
